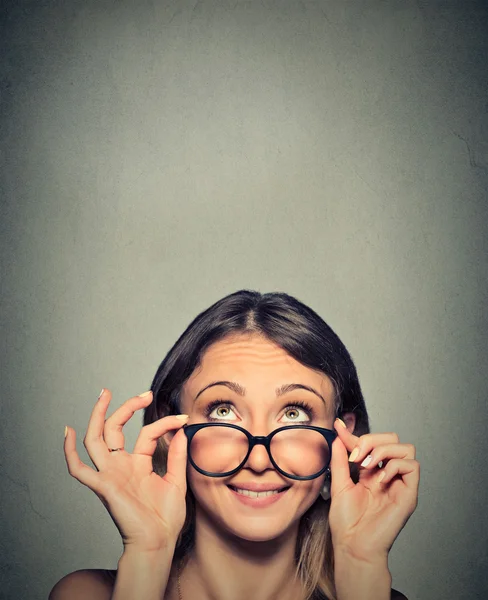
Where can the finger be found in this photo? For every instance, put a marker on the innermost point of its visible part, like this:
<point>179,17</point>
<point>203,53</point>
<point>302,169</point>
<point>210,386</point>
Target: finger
<point>367,442</point>
<point>339,468</point>
<point>387,452</point>
<point>409,470</point>
<point>347,438</point>
<point>112,430</point>
<point>177,459</point>
<point>148,437</point>
<point>76,468</point>
<point>93,440</point>
<point>352,441</point>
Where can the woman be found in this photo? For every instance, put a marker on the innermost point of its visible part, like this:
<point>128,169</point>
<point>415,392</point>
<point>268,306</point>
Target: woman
<point>240,484</point>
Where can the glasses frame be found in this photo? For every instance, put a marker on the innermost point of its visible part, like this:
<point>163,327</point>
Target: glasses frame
<point>258,440</point>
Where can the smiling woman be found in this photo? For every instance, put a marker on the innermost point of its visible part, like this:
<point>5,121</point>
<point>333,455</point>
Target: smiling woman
<point>240,485</point>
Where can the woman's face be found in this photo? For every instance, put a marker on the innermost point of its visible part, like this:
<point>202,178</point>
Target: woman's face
<point>259,368</point>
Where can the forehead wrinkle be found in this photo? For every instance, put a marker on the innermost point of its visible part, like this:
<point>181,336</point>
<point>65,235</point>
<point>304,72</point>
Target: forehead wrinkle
<point>274,356</point>
<point>234,352</point>
<point>254,346</point>
<point>237,354</point>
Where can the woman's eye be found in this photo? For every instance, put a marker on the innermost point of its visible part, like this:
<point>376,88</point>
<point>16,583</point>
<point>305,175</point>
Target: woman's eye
<point>223,411</point>
<point>295,413</point>
<point>220,412</point>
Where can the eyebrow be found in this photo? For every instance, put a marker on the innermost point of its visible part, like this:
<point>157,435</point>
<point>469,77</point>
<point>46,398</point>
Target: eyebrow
<point>284,389</point>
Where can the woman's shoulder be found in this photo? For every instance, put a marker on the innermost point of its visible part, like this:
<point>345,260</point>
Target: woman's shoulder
<point>96,584</point>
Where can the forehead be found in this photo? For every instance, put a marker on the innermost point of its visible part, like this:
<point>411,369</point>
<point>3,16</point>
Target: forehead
<point>252,360</point>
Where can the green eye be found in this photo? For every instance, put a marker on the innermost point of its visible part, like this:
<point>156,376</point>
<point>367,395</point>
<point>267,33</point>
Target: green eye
<point>292,410</point>
<point>213,411</point>
<point>295,410</point>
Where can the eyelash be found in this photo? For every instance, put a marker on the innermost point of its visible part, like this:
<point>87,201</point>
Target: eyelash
<point>299,404</point>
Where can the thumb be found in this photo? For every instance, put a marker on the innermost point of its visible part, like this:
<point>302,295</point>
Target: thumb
<point>339,468</point>
<point>176,462</point>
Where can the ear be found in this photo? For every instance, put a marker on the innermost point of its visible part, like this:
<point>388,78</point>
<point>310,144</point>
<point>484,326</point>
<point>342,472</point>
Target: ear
<point>350,421</point>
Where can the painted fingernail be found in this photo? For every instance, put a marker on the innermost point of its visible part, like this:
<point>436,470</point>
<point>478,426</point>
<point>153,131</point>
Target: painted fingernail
<point>65,431</point>
<point>354,455</point>
<point>182,417</point>
<point>100,394</point>
<point>341,422</point>
<point>145,394</point>
<point>367,460</point>
<point>381,477</point>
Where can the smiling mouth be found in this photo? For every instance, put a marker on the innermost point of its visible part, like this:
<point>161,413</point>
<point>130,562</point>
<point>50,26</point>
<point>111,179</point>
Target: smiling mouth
<point>252,494</point>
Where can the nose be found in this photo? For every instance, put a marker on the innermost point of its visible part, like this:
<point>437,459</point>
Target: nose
<point>258,460</point>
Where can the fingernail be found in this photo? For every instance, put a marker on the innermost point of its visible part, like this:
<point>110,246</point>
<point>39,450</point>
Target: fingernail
<point>145,394</point>
<point>65,431</point>
<point>341,422</point>
<point>367,460</point>
<point>381,477</point>
<point>100,394</point>
<point>182,417</point>
<point>354,455</point>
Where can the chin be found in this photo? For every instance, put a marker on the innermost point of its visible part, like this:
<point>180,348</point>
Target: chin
<point>261,527</point>
<point>257,530</point>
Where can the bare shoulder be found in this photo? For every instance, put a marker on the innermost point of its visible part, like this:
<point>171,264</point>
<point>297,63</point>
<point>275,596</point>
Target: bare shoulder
<point>96,584</point>
<point>396,595</point>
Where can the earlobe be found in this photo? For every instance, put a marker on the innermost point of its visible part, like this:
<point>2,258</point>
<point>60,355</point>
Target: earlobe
<point>325,491</point>
<point>350,421</point>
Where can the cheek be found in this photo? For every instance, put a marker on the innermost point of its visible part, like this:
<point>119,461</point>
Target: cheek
<point>201,485</point>
<point>192,476</point>
<point>312,491</point>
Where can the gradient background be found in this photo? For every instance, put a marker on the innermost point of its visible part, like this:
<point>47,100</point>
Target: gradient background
<point>157,156</point>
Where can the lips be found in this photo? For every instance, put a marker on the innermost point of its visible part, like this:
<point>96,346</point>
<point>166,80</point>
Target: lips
<point>258,499</point>
<point>250,494</point>
<point>259,488</point>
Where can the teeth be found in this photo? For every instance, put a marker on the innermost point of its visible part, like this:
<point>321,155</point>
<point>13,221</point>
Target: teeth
<point>256,494</point>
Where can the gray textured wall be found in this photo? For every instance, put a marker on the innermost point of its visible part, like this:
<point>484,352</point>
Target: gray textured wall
<point>159,155</point>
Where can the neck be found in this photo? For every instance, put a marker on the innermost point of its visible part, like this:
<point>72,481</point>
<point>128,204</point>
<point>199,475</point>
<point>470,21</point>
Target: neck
<point>223,566</point>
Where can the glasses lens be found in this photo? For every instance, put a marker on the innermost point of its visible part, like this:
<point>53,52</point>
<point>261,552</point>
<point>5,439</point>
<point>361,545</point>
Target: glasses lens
<point>297,452</point>
<point>218,449</point>
<point>300,452</point>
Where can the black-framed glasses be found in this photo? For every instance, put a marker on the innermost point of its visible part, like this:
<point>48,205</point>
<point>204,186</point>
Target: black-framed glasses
<point>299,452</point>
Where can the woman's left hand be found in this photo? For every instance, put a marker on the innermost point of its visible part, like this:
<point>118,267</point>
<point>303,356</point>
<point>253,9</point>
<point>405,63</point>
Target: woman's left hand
<point>365,518</point>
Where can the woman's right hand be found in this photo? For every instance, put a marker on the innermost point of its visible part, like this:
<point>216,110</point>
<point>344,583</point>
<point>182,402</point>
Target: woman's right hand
<point>148,510</point>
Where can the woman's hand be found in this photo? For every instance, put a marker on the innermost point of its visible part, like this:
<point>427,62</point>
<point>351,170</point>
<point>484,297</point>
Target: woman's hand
<point>365,518</point>
<point>148,510</point>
